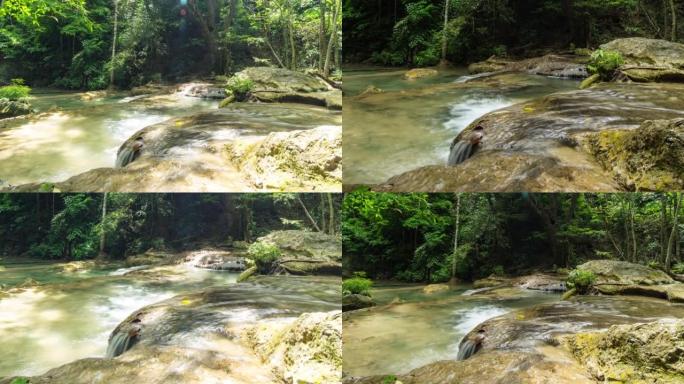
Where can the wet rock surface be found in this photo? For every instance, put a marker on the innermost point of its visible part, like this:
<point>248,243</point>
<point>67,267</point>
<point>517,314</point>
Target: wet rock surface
<point>189,153</point>
<point>12,108</point>
<point>535,146</point>
<point>354,301</point>
<point>199,338</point>
<point>529,345</point>
<point>419,73</point>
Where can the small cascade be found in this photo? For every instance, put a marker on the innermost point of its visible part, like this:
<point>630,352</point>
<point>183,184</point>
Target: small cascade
<point>470,345</point>
<point>461,152</point>
<point>123,340</point>
<point>129,152</point>
<point>123,271</point>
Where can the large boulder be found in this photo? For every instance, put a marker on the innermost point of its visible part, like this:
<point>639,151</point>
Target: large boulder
<point>623,272</point>
<point>419,73</point>
<point>636,353</point>
<point>650,158</point>
<point>268,79</point>
<point>306,253</point>
<point>306,351</point>
<point>568,66</point>
<point>291,160</point>
<point>11,108</point>
<point>649,59</point>
<point>354,301</point>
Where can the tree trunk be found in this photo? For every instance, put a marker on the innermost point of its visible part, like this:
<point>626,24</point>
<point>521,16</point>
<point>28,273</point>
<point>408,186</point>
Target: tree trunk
<point>331,215</point>
<point>103,236</point>
<point>663,227</point>
<point>444,31</point>
<point>321,35</point>
<point>308,215</point>
<point>673,10</point>
<point>293,48</point>
<point>116,31</point>
<point>333,36</point>
<point>456,230</point>
<point>631,221</point>
<point>673,233</point>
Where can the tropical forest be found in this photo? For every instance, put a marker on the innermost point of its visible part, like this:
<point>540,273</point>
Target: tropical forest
<point>170,95</point>
<point>511,96</point>
<point>158,288</point>
<point>513,287</point>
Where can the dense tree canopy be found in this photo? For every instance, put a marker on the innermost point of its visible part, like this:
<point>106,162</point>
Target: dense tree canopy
<point>411,236</point>
<point>88,44</point>
<point>75,226</point>
<point>397,32</point>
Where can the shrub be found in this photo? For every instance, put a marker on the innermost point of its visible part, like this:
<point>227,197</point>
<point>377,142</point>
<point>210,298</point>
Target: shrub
<point>240,86</point>
<point>391,379</point>
<point>605,63</point>
<point>498,270</point>
<point>15,91</point>
<point>678,268</point>
<point>581,280</point>
<point>264,255</point>
<point>357,285</point>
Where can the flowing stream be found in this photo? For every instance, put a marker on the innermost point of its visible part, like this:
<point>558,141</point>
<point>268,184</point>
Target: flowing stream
<point>74,133</point>
<point>419,329</point>
<point>70,315</point>
<point>413,122</point>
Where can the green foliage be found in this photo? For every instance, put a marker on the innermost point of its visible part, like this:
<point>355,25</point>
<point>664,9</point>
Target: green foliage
<point>389,379</point>
<point>581,280</point>
<point>264,255</point>
<point>14,92</point>
<point>20,380</point>
<point>605,63</point>
<point>240,86</point>
<point>678,268</point>
<point>498,270</point>
<point>655,264</point>
<point>357,285</point>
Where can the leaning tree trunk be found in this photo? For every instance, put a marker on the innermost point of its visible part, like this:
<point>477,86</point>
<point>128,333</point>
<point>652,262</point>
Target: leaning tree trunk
<point>308,215</point>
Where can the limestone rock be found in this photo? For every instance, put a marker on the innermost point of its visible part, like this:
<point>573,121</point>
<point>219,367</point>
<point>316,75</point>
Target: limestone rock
<point>353,302</point>
<point>305,252</point>
<point>434,288</point>
<point>419,73</point>
<point>11,108</point>
<point>649,60</point>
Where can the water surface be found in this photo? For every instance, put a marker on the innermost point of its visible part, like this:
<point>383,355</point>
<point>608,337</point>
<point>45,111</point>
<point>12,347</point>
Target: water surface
<point>406,129</point>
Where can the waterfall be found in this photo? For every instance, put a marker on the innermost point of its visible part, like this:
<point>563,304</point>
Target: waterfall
<point>470,345</point>
<point>122,341</point>
<point>460,152</point>
<point>129,152</point>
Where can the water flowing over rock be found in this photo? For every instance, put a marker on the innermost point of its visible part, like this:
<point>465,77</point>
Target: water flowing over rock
<point>200,338</point>
<point>197,153</point>
<point>216,259</point>
<point>203,90</point>
<point>306,252</point>
<point>528,346</point>
<point>536,146</point>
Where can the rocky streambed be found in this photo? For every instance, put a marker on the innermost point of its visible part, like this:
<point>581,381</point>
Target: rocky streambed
<point>176,138</point>
<point>625,336</point>
<point>620,135</point>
